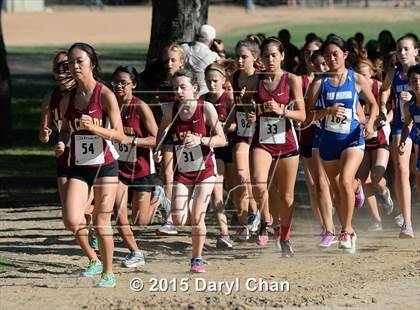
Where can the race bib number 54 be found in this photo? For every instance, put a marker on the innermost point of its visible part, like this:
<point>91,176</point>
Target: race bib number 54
<point>89,150</point>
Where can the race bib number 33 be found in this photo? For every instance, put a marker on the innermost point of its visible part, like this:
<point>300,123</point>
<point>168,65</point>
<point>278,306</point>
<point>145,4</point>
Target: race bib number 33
<point>272,130</point>
<point>89,150</point>
<point>189,159</point>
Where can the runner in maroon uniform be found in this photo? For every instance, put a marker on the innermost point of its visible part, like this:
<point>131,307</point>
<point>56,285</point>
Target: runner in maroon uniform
<point>135,162</point>
<point>173,57</point>
<point>91,120</point>
<point>274,145</point>
<point>376,156</point>
<point>51,111</point>
<point>247,55</point>
<point>215,76</point>
<point>195,131</point>
<point>315,177</point>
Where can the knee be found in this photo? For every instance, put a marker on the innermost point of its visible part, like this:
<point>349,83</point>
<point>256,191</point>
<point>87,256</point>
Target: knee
<point>71,225</point>
<point>346,185</point>
<point>287,199</point>
<point>141,221</point>
<point>197,220</point>
<point>259,190</point>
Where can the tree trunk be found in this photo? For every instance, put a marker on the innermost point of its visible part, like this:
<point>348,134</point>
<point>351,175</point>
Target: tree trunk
<point>5,101</point>
<point>175,21</point>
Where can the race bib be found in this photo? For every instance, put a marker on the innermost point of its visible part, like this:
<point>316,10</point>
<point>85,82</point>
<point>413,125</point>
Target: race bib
<point>189,159</point>
<point>89,150</point>
<point>127,152</point>
<point>340,124</point>
<point>244,129</point>
<point>272,130</point>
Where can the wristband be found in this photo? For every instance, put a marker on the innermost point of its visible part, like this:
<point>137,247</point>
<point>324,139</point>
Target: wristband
<point>286,112</point>
<point>201,140</point>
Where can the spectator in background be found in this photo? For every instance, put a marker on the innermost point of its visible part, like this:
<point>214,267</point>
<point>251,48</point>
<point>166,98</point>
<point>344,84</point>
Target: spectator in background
<point>249,6</point>
<point>98,3</point>
<point>198,54</point>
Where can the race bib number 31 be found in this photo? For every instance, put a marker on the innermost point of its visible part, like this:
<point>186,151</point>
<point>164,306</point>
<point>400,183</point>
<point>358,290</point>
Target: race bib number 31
<point>127,152</point>
<point>340,124</point>
<point>244,129</point>
<point>272,130</point>
<point>89,150</point>
<point>189,159</point>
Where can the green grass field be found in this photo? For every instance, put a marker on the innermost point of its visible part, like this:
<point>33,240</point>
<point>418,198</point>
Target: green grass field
<point>27,158</point>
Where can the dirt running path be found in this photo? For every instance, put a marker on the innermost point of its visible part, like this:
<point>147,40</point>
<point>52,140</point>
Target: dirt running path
<point>44,262</point>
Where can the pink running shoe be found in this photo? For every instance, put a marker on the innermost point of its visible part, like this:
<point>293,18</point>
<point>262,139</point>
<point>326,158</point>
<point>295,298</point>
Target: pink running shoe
<point>359,196</point>
<point>197,265</point>
<point>262,238</point>
<point>328,239</point>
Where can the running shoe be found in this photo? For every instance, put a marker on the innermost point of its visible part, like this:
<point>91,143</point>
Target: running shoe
<point>406,231</point>
<point>388,204</point>
<point>107,280</point>
<point>399,220</point>
<point>94,268</point>
<point>224,242</point>
<point>286,248</point>
<point>359,196</point>
<point>197,265</point>
<point>375,226</point>
<point>133,260</point>
<point>243,234</point>
<point>344,241</point>
<point>167,229</point>
<point>253,221</point>
<point>262,238</point>
<point>93,241</point>
<point>327,240</point>
<point>352,248</point>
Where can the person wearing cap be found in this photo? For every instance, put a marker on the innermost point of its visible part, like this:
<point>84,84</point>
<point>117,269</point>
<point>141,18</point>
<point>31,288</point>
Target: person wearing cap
<point>198,54</point>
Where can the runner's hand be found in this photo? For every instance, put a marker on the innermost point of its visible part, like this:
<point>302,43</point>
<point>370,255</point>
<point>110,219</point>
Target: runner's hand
<point>191,141</point>
<point>87,121</point>
<point>401,148</point>
<point>405,96</point>
<point>368,132</point>
<point>251,118</point>
<point>59,149</point>
<point>337,110</point>
<point>44,134</point>
<point>157,156</point>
